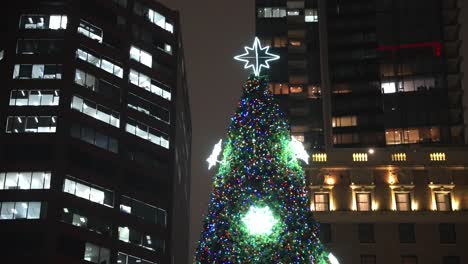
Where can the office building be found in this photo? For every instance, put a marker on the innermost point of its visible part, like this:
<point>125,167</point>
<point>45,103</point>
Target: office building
<point>94,133</point>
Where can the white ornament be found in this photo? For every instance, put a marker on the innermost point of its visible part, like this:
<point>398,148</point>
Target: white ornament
<point>213,158</point>
<point>333,259</point>
<point>299,150</point>
<point>259,220</point>
<point>259,55</point>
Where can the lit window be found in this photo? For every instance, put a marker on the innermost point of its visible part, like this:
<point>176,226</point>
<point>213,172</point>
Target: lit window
<point>443,201</point>
<point>91,136</point>
<point>149,84</point>
<point>130,235</point>
<point>388,87</point>
<point>293,12</point>
<point>20,210</point>
<point>154,17</point>
<point>100,63</point>
<point>89,192</point>
<point>143,210</point>
<point>322,202</point>
<point>344,121</point>
<point>271,12</point>
<point>37,71</point>
<point>311,15</point>
<point>96,254</point>
<point>123,258</point>
<point>34,97</point>
<point>90,31</point>
<point>396,136</point>
<point>24,180</point>
<point>54,22</point>
<point>141,56</point>
<point>403,201</point>
<point>148,133</point>
<point>96,111</point>
<point>31,124</point>
<point>363,201</point>
<point>97,85</point>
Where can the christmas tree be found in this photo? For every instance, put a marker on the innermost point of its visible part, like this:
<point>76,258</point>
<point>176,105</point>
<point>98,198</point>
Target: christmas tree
<point>258,211</point>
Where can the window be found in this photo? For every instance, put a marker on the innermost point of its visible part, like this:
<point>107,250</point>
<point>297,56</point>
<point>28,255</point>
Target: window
<point>21,210</point>
<point>344,121</point>
<point>89,222</point>
<point>406,233</point>
<point>31,124</point>
<point>363,201</point>
<point>130,235</point>
<point>149,84</point>
<point>123,258</point>
<point>54,22</point>
<point>146,132</point>
<point>143,210</point>
<point>443,201</point>
<point>96,111</point>
<point>451,260</point>
<point>153,16</point>
<point>409,260</point>
<point>293,12</point>
<point>24,180</point>
<point>90,31</point>
<point>88,191</point>
<point>141,56</point>
<point>96,254</point>
<point>409,84</point>
<point>95,138</point>
<point>100,86</point>
<point>166,48</point>
<point>325,234</point>
<point>100,63</point>
<point>311,15</point>
<point>447,233</point>
<point>403,201</point>
<point>368,259</point>
<point>271,12</point>
<point>366,233</point>
<point>148,108</point>
<point>39,47</point>
<point>37,71</point>
<point>34,97</point>
<point>322,202</point>
<point>396,136</point>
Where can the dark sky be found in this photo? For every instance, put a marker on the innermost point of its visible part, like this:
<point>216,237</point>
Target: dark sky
<point>213,32</point>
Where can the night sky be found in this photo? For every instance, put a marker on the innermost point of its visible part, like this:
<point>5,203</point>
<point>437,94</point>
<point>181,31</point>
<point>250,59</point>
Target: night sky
<point>213,32</point>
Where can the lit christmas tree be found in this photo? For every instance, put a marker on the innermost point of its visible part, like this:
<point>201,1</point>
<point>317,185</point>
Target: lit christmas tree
<point>258,211</point>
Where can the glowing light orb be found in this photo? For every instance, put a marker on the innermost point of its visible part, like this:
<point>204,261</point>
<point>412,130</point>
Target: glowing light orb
<point>256,57</point>
<point>259,220</point>
<point>333,259</point>
<point>213,158</point>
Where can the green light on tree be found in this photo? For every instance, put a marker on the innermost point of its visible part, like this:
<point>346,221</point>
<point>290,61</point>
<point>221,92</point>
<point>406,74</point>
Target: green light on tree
<point>259,220</point>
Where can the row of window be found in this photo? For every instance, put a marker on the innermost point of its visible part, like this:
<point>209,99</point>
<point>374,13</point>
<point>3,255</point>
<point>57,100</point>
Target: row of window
<point>147,241</point>
<point>20,210</point>
<point>147,132</point>
<point>24,180</point>
<point>100,62</point>
<point>149,84</point>
<point>96,111</point>
<point>54,22</point>
<point>397,136</point>
<point>344,121</point>
<point>409,84</point>
<point>105,197</point>
<point>310,15</point>
<point>91,136</point>
<point>31,124</point>
<point>147,107</point>
<point>97,85</point>
<point>153,16</point>
<point>89,222</point>
<point>37,71</point>
<point>123,258</point>
<point>406,233</point>
<point>403,201</point>
<point>91,31</point>
<point>39,46</point>
<point>141,56</point>
<point>34,97</point>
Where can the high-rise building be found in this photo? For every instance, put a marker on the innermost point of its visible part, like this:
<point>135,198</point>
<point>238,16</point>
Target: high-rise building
<point>374,90</point>
<point>95,133</point>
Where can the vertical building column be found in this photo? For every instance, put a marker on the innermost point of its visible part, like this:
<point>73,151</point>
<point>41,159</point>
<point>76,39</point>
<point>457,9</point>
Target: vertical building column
<point>463,20</point>
<point>325,85</point>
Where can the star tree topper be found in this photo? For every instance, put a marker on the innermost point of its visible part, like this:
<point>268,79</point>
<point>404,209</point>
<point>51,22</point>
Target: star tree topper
<point>257,57</point>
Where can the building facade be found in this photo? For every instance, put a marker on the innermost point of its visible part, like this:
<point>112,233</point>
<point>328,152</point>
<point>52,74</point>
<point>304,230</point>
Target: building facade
<point>95,133</point>
<point>374,90</point>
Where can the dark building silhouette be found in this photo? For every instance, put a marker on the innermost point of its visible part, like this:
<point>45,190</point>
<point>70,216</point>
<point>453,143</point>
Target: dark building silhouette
<point>95,133</point>
<point>374,90</point>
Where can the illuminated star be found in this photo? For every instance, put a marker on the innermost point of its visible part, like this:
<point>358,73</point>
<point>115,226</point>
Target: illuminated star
<point>259,220</point>
<point>333,259</point>
<point>299,150</point>
<point>258,55</point>
<point>213,158</point>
